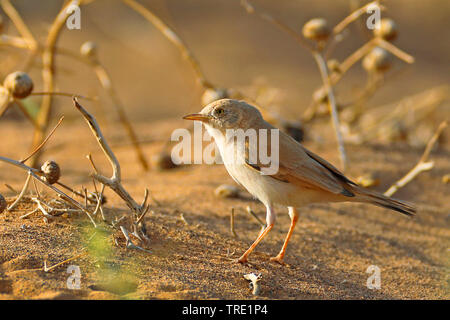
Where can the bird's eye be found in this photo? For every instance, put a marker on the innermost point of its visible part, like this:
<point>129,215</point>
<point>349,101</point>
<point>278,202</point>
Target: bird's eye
<point>219,111</point>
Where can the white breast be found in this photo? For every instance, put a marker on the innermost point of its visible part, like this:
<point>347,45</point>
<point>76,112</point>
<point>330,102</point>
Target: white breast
<point>267,189</point>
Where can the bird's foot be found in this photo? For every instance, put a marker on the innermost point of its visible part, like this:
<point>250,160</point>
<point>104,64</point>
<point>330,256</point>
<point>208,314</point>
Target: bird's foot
<point>278,259</point>
<point>242,259</point>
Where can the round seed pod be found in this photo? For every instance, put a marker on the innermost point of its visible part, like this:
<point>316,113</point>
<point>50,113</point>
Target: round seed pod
<point>377,60</point>
<point>316,29</point>
<point>386,30</point>
<point>89,49</point>
<point>162,161</point>
<point>19,84</point>
<point>3,203</point>
<point>50,170</point>
<point>211,95</point>
<point>226,191</point>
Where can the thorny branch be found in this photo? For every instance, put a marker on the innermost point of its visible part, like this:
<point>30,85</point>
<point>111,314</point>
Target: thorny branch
<point>115,182</point>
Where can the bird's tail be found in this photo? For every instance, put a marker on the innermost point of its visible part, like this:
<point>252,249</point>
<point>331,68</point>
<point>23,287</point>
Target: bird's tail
<point>365,195</point>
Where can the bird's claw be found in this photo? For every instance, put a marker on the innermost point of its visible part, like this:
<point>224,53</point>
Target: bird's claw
<point>278,259</point>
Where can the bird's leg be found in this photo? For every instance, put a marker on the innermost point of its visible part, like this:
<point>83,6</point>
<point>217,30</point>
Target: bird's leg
<point>293,213</point>
<point>270,218</point>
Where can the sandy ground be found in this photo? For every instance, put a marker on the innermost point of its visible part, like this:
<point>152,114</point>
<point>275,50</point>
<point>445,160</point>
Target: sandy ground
<point>327,258</point>
<point>333,245</point>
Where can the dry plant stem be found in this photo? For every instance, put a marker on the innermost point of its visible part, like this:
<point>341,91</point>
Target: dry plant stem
<point>424,102</point>
<point>25,112</point>
<point>11,188</point>
<point>353,16</point>
<point>115,181</point>
<point>106,83</point>
<point>42,209</point>
<point>17,42</point>
<point>29,213</point>
<point>422,165</point>
<point>33,172</point>
<point>394,50</point>
<point>43,142</point>
<point>62,94</point>
<point>22,193</point>
<point>341,26</point>
<point>233,232</point>
<point>332,105</point>
<point>250,9</point>
<point>172,37</point>
<point>48,60</point>
<point>130,244</point>
<point>61,263</point>
<point>20,24</point>
<point>249,210</point>
<point>74,191</point>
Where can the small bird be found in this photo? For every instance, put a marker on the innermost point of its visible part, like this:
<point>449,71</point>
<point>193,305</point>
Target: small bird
<point>302,176</point>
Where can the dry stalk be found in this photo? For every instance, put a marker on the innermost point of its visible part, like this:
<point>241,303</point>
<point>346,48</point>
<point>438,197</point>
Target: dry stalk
<point>107,85</point>
<point>233,232</point>
<point>333,108</point>
<point>48,61</point>
<point>21,26</point>
<point>355,15</point>
<point>422,165</point>
<point>323,72</point>
<point>130,244</point>
<point>115,182</point>
<point>250,211</point>
<point>43,142</point>
<point>251,10</point>
<point>65,261</point>
<point>420,105</point>
<point>22,193</point>
<point>172,37</point>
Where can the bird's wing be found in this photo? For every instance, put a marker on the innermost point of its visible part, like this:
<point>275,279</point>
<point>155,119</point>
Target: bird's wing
<point>302,167</point>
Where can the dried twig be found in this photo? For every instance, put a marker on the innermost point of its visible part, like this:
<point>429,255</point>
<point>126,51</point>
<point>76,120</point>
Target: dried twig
<point>172,37</point>
<point>48,72</point>
<point>323,72</point>
<point>20,24</point>
<point>130,244</point>
<point>22,193</point>
<point>422,165</point>
<point>355,15</point>
<point>107,85</point>
<point>65,261</point>
<point>333,108</point>
<point>232,223</point>
<point>115,182</point>
<point>249,210</point>
<point>43,142</point>
<point>251,10</point>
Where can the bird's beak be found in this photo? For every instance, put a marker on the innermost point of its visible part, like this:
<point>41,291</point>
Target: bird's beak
<point>197,116</point>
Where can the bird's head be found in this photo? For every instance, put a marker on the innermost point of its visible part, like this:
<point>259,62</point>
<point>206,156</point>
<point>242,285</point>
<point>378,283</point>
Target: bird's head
<point>227,114</point>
